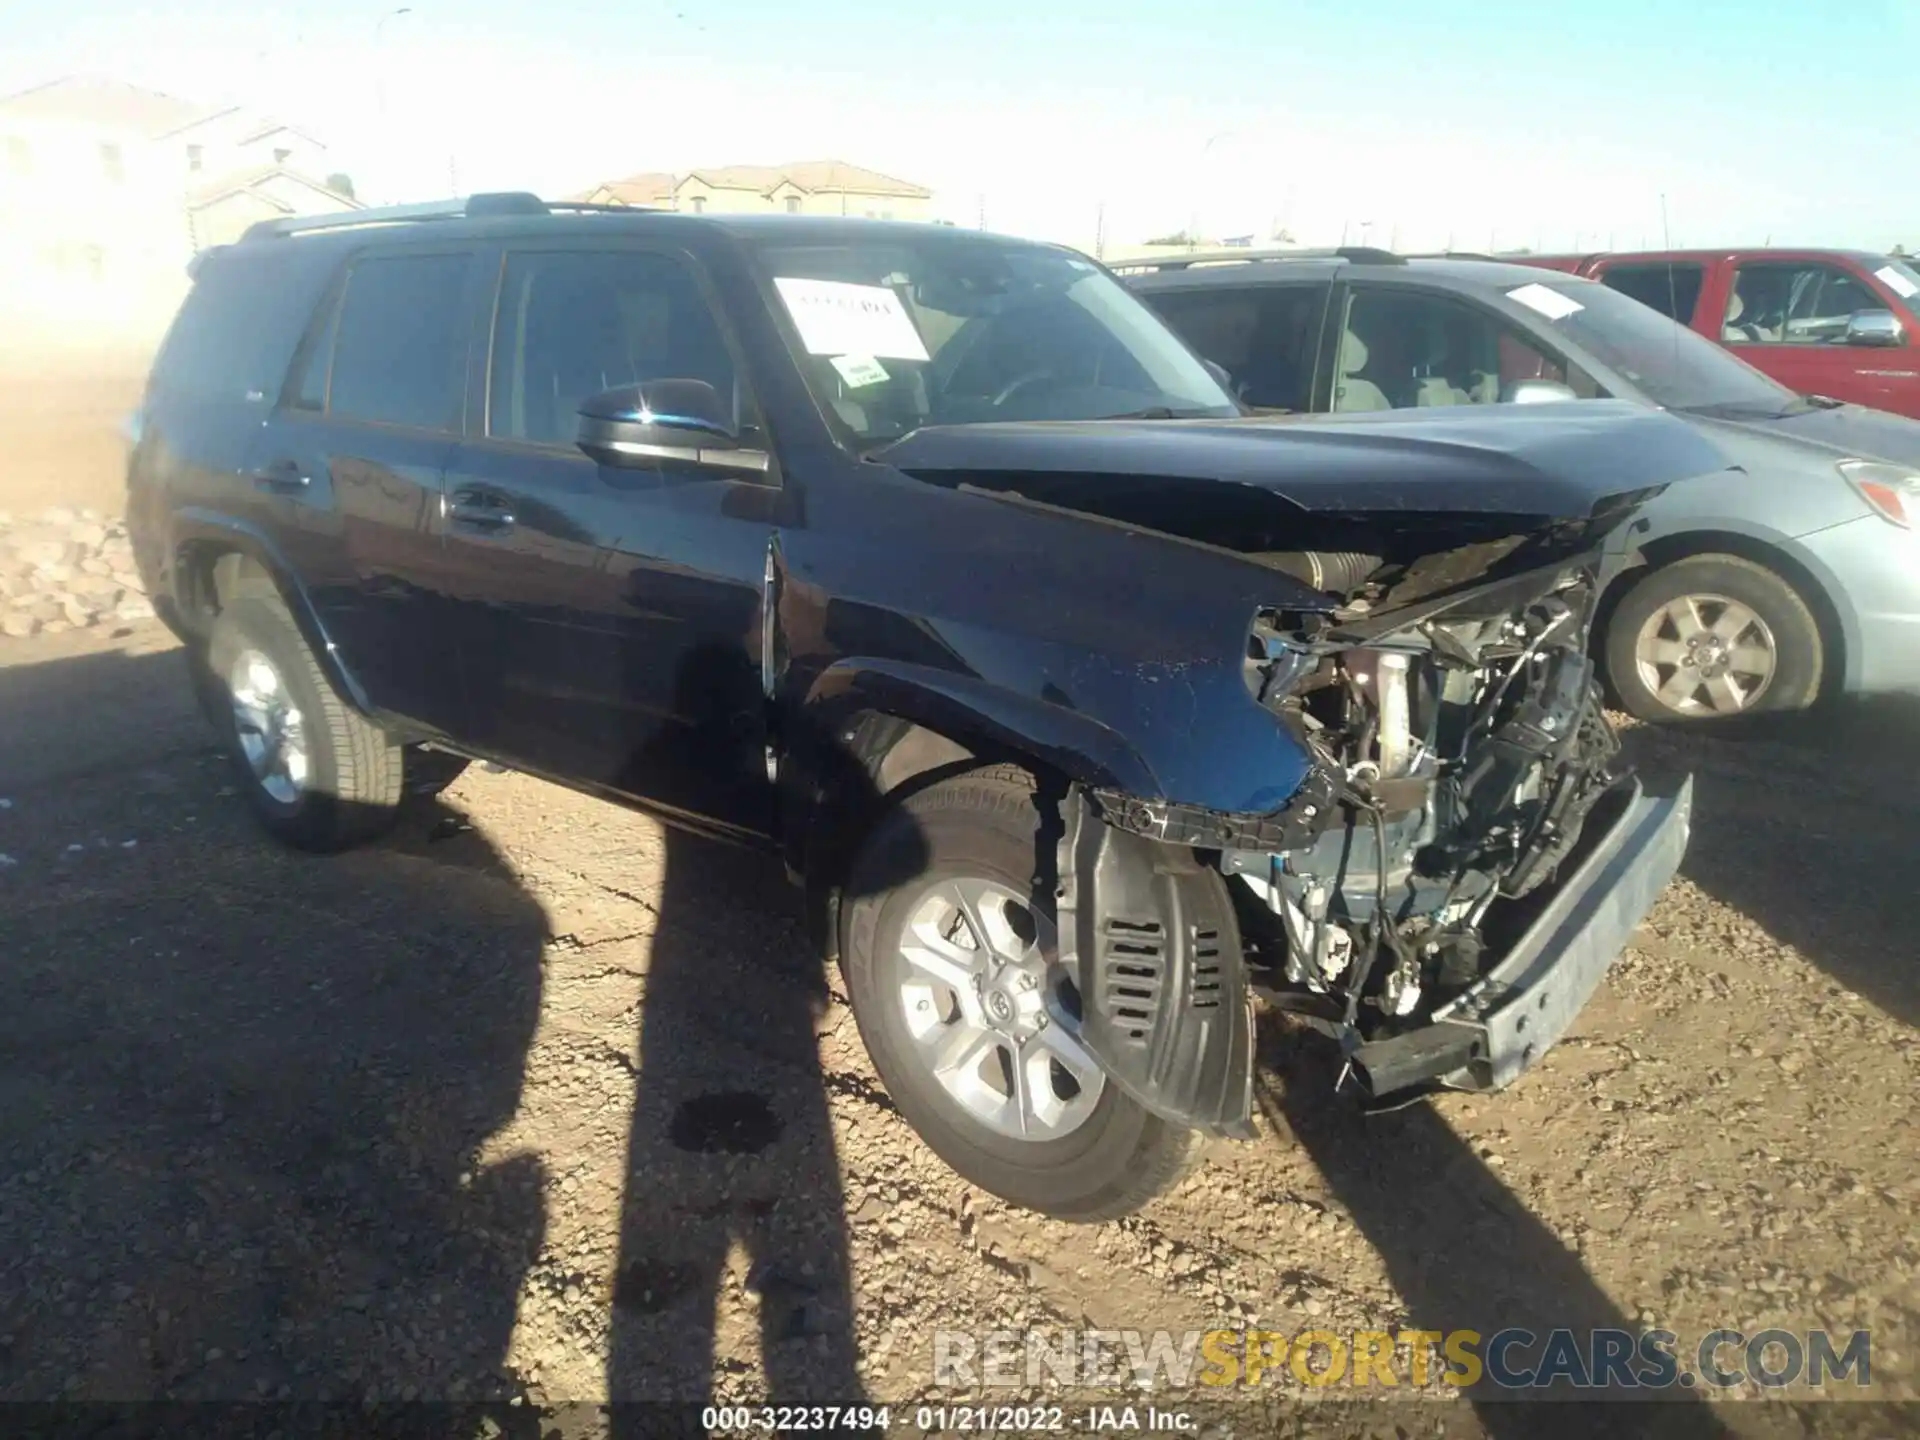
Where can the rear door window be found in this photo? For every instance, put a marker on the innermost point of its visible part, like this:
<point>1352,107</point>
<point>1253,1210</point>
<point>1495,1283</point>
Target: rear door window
<point>1673,290</point>
<point>1265,337</point>
<point>400,343</point>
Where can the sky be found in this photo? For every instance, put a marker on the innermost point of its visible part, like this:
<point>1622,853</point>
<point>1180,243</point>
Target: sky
<point>1397,122</point>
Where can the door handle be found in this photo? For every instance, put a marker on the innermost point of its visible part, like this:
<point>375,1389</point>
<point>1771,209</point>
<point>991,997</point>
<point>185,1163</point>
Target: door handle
<point>479,510</point>
<point>283,476</point>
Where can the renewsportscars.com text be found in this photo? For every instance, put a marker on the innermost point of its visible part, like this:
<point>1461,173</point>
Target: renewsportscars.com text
<point>1513,1359</point>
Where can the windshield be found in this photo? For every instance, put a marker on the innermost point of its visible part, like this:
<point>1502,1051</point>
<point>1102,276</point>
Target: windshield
<point>1898,276</point>
<point>1674,367</point>
<point>955,329</point>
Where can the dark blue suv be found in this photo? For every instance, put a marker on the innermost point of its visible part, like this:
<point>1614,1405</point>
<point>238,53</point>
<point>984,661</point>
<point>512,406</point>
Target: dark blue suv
<point>1083,705</point>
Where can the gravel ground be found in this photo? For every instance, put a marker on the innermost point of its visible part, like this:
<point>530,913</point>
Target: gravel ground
<point>539,1102</point>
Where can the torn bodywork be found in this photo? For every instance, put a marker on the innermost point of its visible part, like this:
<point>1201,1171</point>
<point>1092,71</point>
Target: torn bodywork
<point>1461,864</point>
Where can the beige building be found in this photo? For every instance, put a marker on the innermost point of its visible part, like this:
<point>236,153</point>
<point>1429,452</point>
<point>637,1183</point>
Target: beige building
<point>107,190</point>
<point>808,187</point>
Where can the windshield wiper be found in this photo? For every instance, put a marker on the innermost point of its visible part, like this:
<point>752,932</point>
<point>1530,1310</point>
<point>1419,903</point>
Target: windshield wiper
<point>1162,412</point>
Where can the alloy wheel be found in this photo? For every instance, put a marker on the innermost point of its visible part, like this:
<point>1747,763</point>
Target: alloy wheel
<point>271,729</point>
<point>993,1014</point>
<point>1706,655</point>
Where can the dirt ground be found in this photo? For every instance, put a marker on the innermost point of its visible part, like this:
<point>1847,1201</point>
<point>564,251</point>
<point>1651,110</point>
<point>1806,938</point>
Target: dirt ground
<point>540,1103</point>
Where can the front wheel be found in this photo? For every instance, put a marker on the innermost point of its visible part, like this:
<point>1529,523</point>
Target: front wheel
<point>317,773</point>
<point>971,1020</point>
<point>1711,637</point>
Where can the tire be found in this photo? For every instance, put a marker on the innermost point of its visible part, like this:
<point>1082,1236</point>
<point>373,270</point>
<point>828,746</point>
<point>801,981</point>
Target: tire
<point>351,782</point>
<point>428,772</point>
<point>1679,648</point>
<point>979,829</point>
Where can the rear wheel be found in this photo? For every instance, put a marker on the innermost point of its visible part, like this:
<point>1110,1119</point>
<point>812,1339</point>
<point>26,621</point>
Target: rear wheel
<point>1712,637</point>
<point>318,774</point>
<point>972,1021</point>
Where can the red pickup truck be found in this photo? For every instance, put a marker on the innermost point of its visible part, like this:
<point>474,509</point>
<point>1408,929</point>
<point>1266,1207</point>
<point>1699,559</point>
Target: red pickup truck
<point>1840,323</point>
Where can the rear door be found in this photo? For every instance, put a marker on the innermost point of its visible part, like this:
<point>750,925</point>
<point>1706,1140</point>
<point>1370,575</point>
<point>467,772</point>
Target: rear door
<point>1787,315</point>
<point>355,453</point>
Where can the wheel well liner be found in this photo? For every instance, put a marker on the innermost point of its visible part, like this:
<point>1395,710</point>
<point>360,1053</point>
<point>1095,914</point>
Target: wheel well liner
<point>217,557</point>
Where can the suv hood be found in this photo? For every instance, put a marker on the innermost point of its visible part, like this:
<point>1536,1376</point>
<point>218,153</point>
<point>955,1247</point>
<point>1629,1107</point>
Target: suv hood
<point>1494,489</point>
<point>1826,436</point>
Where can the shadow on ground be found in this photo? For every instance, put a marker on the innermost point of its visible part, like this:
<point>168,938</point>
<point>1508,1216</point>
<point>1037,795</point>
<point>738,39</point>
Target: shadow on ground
<point>1462,1250</point>
<point>243,1092</point>
<point>1831,799</point>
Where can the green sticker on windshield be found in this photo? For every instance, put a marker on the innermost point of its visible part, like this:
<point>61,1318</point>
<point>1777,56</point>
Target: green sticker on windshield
<point>859,371</point>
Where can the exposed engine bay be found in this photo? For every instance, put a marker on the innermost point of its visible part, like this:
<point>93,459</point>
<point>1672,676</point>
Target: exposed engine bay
<point>1457,760</point>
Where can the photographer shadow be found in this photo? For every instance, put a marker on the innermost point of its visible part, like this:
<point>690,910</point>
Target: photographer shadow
<point>733,1231</point>
<point>1461,1249</point>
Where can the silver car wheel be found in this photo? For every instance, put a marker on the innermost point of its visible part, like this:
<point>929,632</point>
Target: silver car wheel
<point>1706,655</point>
<point>993,1014</point>
<point>272,731</point>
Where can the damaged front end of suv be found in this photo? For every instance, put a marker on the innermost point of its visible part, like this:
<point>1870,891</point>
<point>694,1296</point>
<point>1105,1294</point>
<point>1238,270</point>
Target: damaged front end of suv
<point>1465,854</point>
<point>1444,891</point>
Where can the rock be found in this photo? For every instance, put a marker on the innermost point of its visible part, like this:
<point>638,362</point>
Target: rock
<point>88,534</point>
<point>18,624</point>
<point>58,515</point>
<point>95,566</point>
<point>94,585</point>
<point>55,627</point>
<point>133,607</point>
<point>43,554</point>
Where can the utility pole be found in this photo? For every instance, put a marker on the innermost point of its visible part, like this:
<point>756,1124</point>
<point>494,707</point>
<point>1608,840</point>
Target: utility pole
<point>1100,231</point>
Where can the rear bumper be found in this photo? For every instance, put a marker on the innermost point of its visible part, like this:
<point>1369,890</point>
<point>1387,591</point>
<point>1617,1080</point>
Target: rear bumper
<point>1486,1037</point>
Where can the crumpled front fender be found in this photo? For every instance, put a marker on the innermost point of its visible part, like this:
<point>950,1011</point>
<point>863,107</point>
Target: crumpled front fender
<point>1150,936</point>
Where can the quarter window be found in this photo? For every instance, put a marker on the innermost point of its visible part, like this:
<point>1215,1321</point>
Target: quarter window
<point>574,323</point>
<point>1673,290</point>
<point>1780,303</point>
<point>400,349</point>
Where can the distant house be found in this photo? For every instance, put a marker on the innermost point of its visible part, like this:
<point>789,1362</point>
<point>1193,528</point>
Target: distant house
<point>807,187</point>
<point>107,190</point>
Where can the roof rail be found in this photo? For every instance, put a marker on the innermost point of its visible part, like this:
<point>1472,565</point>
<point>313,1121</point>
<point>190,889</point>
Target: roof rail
<point>473,207</point>
<point>1357,254</point>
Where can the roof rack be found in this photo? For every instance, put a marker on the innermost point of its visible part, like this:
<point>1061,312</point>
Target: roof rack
<point>487,205</point>
<point>1356,254</point>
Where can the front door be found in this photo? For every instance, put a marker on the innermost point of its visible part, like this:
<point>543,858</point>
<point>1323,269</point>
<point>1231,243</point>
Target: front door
<point>609,618</point>
<point>354,456</point>
<point>1789,318</point>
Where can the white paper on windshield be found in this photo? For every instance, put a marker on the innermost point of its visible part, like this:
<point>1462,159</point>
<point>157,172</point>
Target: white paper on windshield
<point>835,318</point>
<point>1550,303</point>
<point>859,371</point>
<point>1896,282</point>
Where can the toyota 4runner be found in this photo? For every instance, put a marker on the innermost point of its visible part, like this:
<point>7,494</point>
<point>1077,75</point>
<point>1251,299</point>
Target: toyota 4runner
<point>1084,707</point>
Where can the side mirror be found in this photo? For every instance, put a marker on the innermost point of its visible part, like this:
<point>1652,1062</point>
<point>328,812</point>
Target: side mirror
<point>680,421</point>
<point>1219,372</point>
<point>1537,392</point>
<point>1876,328</point>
